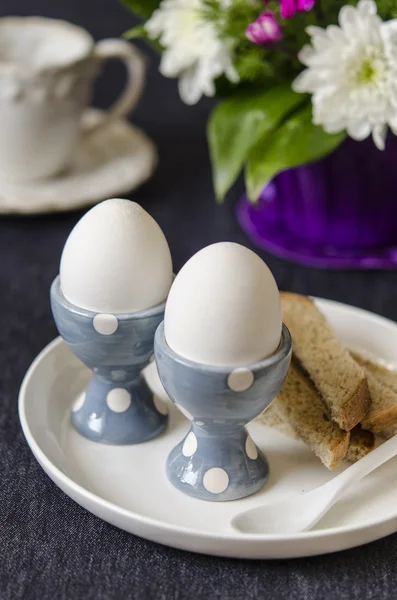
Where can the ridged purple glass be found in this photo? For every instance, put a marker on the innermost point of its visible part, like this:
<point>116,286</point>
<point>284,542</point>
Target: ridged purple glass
<point>340,212</point>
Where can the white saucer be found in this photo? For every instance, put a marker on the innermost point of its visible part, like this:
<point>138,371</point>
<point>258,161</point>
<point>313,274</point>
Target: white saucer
<point>112,161</point>
<point>126,486</point>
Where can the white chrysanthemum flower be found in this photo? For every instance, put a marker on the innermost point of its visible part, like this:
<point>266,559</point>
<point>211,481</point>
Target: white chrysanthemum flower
<point>352,74</point>
<point>193,51</point>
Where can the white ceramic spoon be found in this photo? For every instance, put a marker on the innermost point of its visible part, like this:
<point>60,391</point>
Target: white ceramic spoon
<point>301,512</point>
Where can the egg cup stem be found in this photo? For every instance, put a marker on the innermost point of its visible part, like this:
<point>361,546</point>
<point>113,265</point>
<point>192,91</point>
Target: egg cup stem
<point>118,413</point>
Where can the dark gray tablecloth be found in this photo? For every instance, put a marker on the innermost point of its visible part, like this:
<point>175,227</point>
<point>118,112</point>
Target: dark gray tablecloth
<point>50,548</point>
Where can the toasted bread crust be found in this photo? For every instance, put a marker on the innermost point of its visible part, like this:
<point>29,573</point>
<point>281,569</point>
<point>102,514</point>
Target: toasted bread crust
<point>358,404</point>
<point>382,383</point>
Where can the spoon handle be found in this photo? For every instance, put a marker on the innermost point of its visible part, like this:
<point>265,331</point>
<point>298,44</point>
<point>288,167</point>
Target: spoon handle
<point>366,465</point>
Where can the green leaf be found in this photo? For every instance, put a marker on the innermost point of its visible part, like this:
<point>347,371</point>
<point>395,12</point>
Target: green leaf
<point>296,142</point>
<point>142,8</point>
<point>138,31</point>
<point>237,124</point>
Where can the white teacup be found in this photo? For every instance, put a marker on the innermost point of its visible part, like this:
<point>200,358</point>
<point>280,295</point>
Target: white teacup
<point>47,71</point>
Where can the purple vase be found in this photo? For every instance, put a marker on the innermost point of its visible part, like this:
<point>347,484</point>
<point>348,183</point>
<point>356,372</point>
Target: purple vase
<point>340,212</point>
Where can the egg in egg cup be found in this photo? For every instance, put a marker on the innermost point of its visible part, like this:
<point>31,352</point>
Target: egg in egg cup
<point>218,460</point>
<point>117,407</point>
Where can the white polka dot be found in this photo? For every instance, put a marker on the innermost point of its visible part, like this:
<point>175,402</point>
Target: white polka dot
<point>105,324</point>
<point>216,480</point>
<point>240,380</point>
<point>185,412</point>
<point>118,400</point>
<point>251,449</point>
<point>160,405</point>
<point>78,403</point>
<point>190,445</point>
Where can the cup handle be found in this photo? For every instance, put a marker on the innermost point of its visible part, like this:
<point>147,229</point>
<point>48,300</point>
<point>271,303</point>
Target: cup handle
<point>136,77</point>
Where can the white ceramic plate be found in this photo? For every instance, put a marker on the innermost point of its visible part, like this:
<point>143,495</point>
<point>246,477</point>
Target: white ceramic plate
<point>109,162</point>
<point>126,486</point>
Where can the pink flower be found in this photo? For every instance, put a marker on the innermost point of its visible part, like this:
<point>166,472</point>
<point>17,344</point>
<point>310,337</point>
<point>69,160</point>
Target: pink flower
<point>290,7</point>
<point>305,5</point>
<point>265,30</point>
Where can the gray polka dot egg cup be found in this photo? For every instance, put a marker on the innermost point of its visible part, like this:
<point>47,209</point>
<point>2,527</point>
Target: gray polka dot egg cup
<point>218,460</point>
<point>117,406</point>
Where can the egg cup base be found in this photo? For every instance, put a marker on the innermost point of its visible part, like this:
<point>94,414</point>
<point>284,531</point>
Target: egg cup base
<point>118,414</point>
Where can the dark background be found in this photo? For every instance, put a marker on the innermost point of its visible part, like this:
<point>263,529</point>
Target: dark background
<point>51,548</point>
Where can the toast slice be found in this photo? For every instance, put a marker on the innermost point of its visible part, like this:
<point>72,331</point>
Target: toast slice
<point>382,384</point>
<point>299,405</point>
<point>361,441</point>
<point>338,378</point>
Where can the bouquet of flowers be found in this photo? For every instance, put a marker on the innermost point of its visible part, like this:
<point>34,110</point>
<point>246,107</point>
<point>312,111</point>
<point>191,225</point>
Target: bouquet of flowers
<point>295,77</point>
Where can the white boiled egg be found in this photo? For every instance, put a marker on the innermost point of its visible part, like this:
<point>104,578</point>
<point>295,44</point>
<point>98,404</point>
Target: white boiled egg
<point>224,308</point>
<point>116,260</point>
